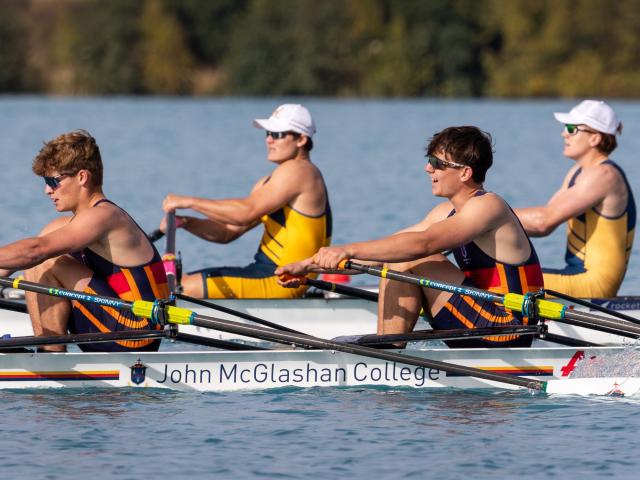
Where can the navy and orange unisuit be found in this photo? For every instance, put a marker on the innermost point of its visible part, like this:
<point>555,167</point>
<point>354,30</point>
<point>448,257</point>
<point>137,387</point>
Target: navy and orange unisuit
<point>482,271</point>
<point>141,282</point>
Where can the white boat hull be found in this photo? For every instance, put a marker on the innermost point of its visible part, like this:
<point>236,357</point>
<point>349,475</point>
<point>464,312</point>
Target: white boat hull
<point>220,371</point>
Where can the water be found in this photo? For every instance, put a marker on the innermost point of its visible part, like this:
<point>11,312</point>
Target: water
<point>371,153</point>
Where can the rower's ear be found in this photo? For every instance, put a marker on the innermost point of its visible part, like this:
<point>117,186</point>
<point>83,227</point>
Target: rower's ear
<point>84,177</point>
<point>466,173</point>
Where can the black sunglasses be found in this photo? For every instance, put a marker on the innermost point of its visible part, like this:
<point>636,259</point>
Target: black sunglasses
<point>574,129</point>
<point>54,182</point>
<point>438,164</point>
<point>280,135</point>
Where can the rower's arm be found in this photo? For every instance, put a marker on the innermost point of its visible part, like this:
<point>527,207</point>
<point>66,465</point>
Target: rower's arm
<point>479,215</point>
<point>566,203</point>
<point>63,235</point>
<point>267,196</point>
<point>210,230</point>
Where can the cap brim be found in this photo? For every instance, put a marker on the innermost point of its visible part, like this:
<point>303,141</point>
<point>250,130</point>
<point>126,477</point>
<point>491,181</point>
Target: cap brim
<point>566,118</point>
<point>271,124</point>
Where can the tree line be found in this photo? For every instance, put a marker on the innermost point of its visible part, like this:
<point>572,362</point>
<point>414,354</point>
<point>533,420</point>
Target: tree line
<point>366,48</point>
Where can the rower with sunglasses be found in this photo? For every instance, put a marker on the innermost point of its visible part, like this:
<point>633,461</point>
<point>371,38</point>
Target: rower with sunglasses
<point>291,204</point>
<point>595,200</point>
<point>491,249</point>
<point>99,249</point>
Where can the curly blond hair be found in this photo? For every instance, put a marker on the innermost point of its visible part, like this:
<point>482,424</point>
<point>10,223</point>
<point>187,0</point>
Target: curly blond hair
<point>70,153</point>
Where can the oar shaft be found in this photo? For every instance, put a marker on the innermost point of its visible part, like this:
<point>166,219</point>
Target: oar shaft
<point>454,334</point>
<point>342,289</point>
<point>384,272</point>
<point>602,324</point>
<point>246,316</point>
<point>81,338</point>
<point>64,293</point>
<point>156,235</point>
<point>593,306</point>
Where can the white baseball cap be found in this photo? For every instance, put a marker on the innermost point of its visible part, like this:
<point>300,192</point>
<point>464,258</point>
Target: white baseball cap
<point>288,118</point>
<point>593,113</point>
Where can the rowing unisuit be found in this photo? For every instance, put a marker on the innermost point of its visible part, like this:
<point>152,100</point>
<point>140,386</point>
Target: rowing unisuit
<point>289,236</point>
<point>141,282</point>
<point>598,250</point>
<point>484,272</point>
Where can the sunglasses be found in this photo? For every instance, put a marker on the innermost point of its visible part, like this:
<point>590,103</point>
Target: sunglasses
<point>280,135</point>
<point>54,182</point>
<point>438,164</point>
<point>574,129</point>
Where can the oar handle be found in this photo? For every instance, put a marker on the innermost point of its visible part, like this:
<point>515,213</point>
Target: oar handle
<point>156,235</point>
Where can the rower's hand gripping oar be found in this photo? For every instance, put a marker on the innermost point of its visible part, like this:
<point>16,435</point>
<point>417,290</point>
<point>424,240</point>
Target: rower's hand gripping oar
<point>529,305</point>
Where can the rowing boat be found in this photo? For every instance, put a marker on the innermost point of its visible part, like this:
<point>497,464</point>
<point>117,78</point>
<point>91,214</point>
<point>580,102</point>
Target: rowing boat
<point>220,371</point>
<point>323,362</point>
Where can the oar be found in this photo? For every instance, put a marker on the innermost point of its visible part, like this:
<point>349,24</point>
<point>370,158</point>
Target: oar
<point>169,257</point>
<point>428,335</point>
<point>156,235</point>
<point>520,303</point>
<point>13,306</point>
<point>235,313</point>
<point>98,337</point>
<point>181,316</point>
<point>593,306</point>
<point>341,289</point>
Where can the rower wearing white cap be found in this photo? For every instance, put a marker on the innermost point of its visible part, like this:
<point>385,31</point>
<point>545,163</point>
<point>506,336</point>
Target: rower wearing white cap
<point>292,204</point>
<point>595,200</point>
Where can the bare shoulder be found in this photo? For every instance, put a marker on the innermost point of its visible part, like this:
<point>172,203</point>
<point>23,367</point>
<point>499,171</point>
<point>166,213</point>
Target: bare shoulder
<point>297,168</point>
<point>440,211</point>
<point>104,216</point>
<point>608,172</point>
<point>304,175</point>
<point>55,224</point>
<point>489,200</point>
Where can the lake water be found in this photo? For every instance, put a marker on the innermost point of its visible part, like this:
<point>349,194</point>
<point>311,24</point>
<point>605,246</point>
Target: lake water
<point>371,153</point>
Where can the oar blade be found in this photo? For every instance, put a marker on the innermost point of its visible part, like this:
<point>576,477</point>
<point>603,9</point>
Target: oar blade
<point>604,386</point>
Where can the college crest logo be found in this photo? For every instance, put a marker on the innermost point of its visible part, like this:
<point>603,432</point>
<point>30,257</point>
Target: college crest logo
<point>138,372</point>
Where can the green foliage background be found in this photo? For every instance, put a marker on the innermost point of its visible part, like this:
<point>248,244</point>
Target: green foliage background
<point>444,48</point>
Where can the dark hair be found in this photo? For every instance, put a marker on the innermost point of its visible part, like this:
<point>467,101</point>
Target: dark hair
<point>308,146</point>
<point>70,153</point>
<point>608,142</point>
<point>467,145</point>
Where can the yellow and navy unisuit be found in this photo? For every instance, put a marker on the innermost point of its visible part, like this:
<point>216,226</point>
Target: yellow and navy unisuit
<point>598,250</point>
<point>289,236</point>
<point>142,282</point>
<point>485,272</point>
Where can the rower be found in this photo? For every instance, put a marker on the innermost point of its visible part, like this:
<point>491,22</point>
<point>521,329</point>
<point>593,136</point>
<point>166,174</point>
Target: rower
<point>99,249</point>
<point>490,246</point>
<point>595,200</point>
<point>292,205</point>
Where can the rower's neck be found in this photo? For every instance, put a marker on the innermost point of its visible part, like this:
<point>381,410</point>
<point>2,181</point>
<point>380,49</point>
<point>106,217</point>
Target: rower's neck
<point>462,196</point>
<point>89,201</point>
<point>591,159</point>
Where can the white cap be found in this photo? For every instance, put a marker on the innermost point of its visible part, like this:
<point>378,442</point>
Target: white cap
<point>593,113</point>
<point>288,118</point>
